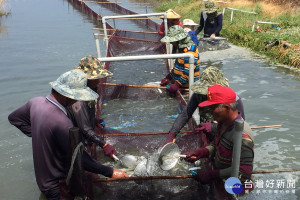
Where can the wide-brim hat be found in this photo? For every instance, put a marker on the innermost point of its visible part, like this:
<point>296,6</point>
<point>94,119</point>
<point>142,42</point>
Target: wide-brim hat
<point>210,76</point>
<point>189,22</point>
<point>219,94</point>
<point>175,33</point>
<point>73,84</point>
<point>210,7</point>
<point>186,42</point>
<point>171,14</point>
<point>93,68</point>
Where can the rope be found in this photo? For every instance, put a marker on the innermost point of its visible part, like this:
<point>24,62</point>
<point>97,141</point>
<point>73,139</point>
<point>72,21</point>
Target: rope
<point>72,162</point>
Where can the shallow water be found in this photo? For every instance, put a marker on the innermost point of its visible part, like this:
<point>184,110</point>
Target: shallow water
<point>44,40</point>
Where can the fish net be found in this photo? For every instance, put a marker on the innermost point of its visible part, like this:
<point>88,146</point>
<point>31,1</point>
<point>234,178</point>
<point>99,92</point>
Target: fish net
<point>137,110</point>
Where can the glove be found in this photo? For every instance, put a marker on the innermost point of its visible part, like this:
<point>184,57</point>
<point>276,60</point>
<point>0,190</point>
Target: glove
<point>206,176</point>
<point>119,174</point>
<point>100,123</point>
<point>173,88</point>
<point>205,128</point>
<point>166,80</point>
<point>109,150</point>
<point>193,155</point>
<point>170,137</point>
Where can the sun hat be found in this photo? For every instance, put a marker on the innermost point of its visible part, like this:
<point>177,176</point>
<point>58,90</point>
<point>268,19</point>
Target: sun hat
<point>210,7</point>
<point>73,84</point>
<point>189,22</point>
<point>210,76</point>
<point>219,94</point>
<point>171,14</point>
<point>93,68</point>
<point>186,42</point>
<point>175,33</point>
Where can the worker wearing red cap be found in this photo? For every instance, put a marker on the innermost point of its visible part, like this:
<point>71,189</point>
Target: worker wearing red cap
<point>222,103</point>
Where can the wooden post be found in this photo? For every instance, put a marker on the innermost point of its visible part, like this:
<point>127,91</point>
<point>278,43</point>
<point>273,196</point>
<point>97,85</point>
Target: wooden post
<point>75,176</point>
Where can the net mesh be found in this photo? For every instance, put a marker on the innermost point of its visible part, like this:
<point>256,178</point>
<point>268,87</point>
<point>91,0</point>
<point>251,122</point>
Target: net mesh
<point>126,108</point>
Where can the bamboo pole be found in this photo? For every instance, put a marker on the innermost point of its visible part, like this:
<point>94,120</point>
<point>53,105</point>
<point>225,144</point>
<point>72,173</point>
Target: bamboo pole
<point>137,86</point>
<point>101,29</point>
<point>142,178</point>
<point>131,38</point>
<point>101,2</point>
<point>182,132</point>
<point>137,18</point>
<point>270,126</point>
<point>181,176</point>
<point>274,171</point>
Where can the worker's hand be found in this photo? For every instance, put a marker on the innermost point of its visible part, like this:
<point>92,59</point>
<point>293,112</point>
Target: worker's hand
<point>206,176</point>
<point>212,36</point>
<point>173,87</point>
<point>109,150</point>
<point>204,128</point>
<point>100,123</point>
<point>170,137</point>
<point>193,155</point>
<point>119,174</point>
<point>165,81</point>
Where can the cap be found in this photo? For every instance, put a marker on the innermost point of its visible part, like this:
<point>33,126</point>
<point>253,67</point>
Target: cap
<point>219,94</point>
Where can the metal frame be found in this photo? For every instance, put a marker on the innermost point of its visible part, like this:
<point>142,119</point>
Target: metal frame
<point>260,22</point>
<point>104,19</point>
<point>158,56</point>
<point>233,9</point>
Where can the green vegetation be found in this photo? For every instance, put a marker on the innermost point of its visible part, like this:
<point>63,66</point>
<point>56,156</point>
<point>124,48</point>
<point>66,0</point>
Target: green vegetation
<point>239,31</point>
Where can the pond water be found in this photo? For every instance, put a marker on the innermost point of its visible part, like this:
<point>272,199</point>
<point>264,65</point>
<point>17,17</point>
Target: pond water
<point>43,40</point>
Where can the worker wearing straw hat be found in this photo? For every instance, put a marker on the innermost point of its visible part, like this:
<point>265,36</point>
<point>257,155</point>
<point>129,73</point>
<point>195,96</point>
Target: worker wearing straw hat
<point>45,120</point>
<point>82,113</point>
<point>211,20</point>
<point>172,19</point>
<point>189,26</point>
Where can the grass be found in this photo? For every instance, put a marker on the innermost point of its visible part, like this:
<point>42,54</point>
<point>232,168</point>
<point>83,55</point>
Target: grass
<point>239,32</point>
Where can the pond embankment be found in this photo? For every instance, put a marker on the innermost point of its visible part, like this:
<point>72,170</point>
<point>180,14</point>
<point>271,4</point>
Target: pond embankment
<point>280,41</point>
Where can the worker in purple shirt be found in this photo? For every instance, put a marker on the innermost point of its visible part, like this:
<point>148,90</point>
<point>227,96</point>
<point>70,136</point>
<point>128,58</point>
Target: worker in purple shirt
<point>45,120</point>
<point>211,20</point>
<point>82,113</point>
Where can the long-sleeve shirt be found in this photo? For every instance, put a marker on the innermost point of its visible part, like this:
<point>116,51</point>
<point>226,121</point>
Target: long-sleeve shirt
<point>210,28</point>
<point>82,114</point>
<point>46,121</point>
<point>205,115</point>
<point>180,72</point>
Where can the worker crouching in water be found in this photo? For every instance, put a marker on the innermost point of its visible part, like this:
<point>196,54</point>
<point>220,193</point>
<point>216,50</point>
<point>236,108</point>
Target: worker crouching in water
<point>178,78</point>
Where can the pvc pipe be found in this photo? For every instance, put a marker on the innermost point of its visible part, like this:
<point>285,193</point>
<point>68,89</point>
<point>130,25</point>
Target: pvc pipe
<point>96,36</point>
<point>105,18</point>
<point>158,56</point>
<point>237,145</point>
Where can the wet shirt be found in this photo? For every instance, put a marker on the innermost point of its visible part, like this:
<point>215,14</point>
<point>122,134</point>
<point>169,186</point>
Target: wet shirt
<point>46,121</point>
<point>48,125</point>
<point>210,28</point>
<point>82,114</point>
